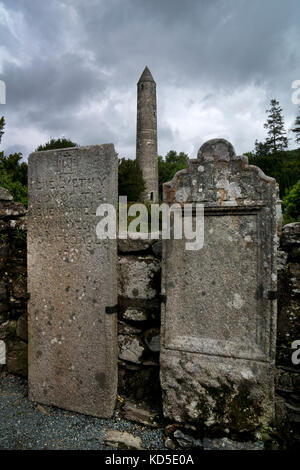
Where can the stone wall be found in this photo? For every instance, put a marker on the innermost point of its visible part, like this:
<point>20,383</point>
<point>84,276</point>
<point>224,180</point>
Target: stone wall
<point>139,320</point>
<point>287,378</point>
<point>139,312</point>
<point>13,283</point>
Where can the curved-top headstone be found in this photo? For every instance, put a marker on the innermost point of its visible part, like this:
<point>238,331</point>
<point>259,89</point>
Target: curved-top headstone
<point>219,319</point>
<point>72,278</point>
<point>218,177</point>
<point>216,149</point>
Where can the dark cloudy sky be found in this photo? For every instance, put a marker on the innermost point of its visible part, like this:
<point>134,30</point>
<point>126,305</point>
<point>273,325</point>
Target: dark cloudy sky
<point>71,68</point>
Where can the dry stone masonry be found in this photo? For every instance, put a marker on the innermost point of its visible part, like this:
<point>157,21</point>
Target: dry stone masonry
<point>287,378</point>
<point>13,285</point>
<point>139,322</point>
<point>219,319</point>
<point>72,279</point>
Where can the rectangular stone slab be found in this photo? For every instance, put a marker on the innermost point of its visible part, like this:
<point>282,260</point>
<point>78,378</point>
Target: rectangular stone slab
<point>215,302</point>
<point>72,278</point>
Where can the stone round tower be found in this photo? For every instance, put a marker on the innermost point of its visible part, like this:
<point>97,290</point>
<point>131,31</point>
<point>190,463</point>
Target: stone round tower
<point>146,135</point>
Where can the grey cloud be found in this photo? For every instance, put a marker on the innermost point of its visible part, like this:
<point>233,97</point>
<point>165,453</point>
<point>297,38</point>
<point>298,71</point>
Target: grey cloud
<point>73,53</point>
<point>51,86</point>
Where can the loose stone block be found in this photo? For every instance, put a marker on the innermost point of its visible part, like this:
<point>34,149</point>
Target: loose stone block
<point>219,319</point>
<point>130,348</point>
<point>138,277</point>
<point>122,440</point>
<point>5,195</point>
<point>135,314</point>
<point>72,278</point>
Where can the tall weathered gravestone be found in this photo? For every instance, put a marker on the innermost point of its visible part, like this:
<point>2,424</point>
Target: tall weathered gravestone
<point>219,319</point>
<point>72,278</point>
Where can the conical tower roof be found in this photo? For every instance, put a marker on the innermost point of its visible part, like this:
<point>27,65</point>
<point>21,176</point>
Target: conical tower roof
<point>146,76</point>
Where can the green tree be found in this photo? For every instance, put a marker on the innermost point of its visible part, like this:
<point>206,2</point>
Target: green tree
<point>53,144</point>
<point>261,149</point>
<point>131,181</point>
<point>291,204</point>
<point>180,159</point>
<point>168,166</point>
<point>276,139</point>
<point>2,124</point>
<point>284,166</point>
<point>296,129</point>
<point>13,172</point>
<point>13,176</point>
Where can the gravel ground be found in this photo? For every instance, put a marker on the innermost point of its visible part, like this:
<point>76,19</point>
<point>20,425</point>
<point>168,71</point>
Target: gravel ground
<point>27,425</point>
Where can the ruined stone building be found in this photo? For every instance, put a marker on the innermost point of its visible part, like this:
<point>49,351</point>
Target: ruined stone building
<point>146,135</point>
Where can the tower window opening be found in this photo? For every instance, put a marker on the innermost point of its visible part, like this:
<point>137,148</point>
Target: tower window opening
<point>151,196</point>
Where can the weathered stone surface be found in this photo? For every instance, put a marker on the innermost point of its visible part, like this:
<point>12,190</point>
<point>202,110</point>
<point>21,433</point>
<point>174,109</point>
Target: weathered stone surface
<point>227,444</point>
<point>138,414</point>
<point>5,195</point>
<point>122,440</point>
<point>129,245</point>
<point>130,344</point>
<point>138,277</point>
<point>186,441</point>
<point>135,314</point>
<point>183,440</point>
<point>125,329</point>
<point>12,209</point>
<point>282,257</point>
<point>71,280</point>
<point>130,348</point>
<point>219,320</point>
<point>288,325</point>
<point>291,234</point>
